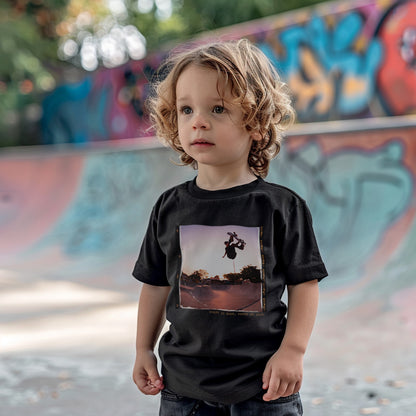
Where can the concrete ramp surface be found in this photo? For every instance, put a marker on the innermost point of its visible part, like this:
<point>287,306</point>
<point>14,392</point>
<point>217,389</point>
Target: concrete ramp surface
<point>71,222</point>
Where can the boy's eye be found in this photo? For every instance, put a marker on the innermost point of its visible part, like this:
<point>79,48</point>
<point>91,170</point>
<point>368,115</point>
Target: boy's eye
<point>218,109</point>
<point>186,110</point>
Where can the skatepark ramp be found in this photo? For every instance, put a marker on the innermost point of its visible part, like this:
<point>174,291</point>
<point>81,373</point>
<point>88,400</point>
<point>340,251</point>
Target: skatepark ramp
<point>71,222</point>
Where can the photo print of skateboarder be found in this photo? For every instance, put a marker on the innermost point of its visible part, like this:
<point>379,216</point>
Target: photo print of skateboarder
<point>217,280</point>
<point>230,246</point>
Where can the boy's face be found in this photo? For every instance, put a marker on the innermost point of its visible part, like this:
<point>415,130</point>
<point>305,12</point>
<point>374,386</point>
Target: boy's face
<point>209,125</point>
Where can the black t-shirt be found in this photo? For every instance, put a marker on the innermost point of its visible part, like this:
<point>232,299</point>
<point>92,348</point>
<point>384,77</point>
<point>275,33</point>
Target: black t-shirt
<point>227,317</point>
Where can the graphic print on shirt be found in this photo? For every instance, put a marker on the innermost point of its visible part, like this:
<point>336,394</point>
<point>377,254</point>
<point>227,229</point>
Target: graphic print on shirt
<point>221,268</point>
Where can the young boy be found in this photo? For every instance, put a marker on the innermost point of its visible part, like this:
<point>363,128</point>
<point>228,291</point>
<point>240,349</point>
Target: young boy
<point>229,349</point>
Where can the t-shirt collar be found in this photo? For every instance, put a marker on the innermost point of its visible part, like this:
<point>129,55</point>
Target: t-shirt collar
<point>198,192</point>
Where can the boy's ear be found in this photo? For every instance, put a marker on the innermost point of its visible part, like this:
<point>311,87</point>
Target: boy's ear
<point>256,136</point>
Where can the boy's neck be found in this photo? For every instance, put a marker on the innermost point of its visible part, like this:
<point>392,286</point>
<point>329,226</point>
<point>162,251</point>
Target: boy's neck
<point>216,179</point>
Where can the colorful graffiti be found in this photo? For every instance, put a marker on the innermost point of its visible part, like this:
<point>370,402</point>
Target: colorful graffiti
<point>329,76</point>
<point>359,186</point>
<point>341,60</point>
<point>107,106</point>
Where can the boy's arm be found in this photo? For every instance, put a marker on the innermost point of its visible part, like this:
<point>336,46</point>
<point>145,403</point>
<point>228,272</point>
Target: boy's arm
<point>284,371</point>
<point>150,320</point>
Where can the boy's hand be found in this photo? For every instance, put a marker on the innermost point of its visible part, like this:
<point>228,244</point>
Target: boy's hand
<point>283,374</point>
<point>145,374</point>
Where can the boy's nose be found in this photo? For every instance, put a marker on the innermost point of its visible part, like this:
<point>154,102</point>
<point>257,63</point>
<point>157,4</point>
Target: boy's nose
<point>200,122</point>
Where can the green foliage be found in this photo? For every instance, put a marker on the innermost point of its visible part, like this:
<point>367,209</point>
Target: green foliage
<point>28,50</point>
<point>160,32</point>
<point>202,15</point>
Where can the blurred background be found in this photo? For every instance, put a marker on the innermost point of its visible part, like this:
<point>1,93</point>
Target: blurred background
<point>65,49</point>
<point>80,171</point>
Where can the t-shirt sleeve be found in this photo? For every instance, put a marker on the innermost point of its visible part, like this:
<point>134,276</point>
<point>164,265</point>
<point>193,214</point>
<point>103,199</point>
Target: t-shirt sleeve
<point>300,253</point>
<point>150,266</point>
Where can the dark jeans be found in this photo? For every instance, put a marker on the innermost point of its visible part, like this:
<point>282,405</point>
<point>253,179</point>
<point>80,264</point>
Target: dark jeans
<point>173,405</point>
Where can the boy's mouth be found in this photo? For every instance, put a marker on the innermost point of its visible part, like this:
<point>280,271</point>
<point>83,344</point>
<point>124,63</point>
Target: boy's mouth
<point>201,142</point>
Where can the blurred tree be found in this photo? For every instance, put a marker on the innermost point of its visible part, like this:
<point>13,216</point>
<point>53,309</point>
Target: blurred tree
<point>201,15</point>
<point>28,50</point>
<point>110,32</point>
<point>41,41</point>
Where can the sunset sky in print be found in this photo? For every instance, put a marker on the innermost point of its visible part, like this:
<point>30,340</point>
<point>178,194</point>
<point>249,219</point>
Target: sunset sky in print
<point>203,247</point>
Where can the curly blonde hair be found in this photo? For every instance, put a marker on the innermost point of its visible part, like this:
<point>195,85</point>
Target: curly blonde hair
<point>255,85</point>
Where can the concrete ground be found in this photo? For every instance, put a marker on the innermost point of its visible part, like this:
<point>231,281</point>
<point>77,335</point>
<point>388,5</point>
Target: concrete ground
<point>67,348</point>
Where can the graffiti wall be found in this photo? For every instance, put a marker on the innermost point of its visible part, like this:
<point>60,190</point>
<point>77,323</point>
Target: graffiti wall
<point>359,185</point>
<point>349,64</point>
<point>342,60</point>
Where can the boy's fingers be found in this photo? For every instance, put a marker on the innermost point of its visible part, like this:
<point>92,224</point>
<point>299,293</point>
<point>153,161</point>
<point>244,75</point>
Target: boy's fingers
<point>266,378</point>
<point>282,390</point>
<point>152,374</point>
<point>289,390</point>
<point>156,382</point>
<point>143,385</point>
<point>271,391</point>
<point>149,387</point>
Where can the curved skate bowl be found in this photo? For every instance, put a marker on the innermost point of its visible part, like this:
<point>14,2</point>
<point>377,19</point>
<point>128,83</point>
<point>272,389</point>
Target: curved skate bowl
<point>91,208</point>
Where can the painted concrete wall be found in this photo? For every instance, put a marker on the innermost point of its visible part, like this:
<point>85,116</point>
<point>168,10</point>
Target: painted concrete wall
<point>342,60</point>
<point>359,186</point>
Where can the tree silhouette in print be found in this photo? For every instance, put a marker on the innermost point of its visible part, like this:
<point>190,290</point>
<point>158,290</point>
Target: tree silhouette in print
<point>247,274</point>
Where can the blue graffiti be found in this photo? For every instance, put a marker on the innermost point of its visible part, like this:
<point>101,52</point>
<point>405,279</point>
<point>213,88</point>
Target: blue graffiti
<point>109,214</point>
<point>75,113</point>
<point>351,71</point>
<point>105,205</point>
<point>354,196</point>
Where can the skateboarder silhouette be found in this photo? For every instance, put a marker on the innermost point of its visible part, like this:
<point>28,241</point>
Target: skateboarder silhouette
<point>230,246</point>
